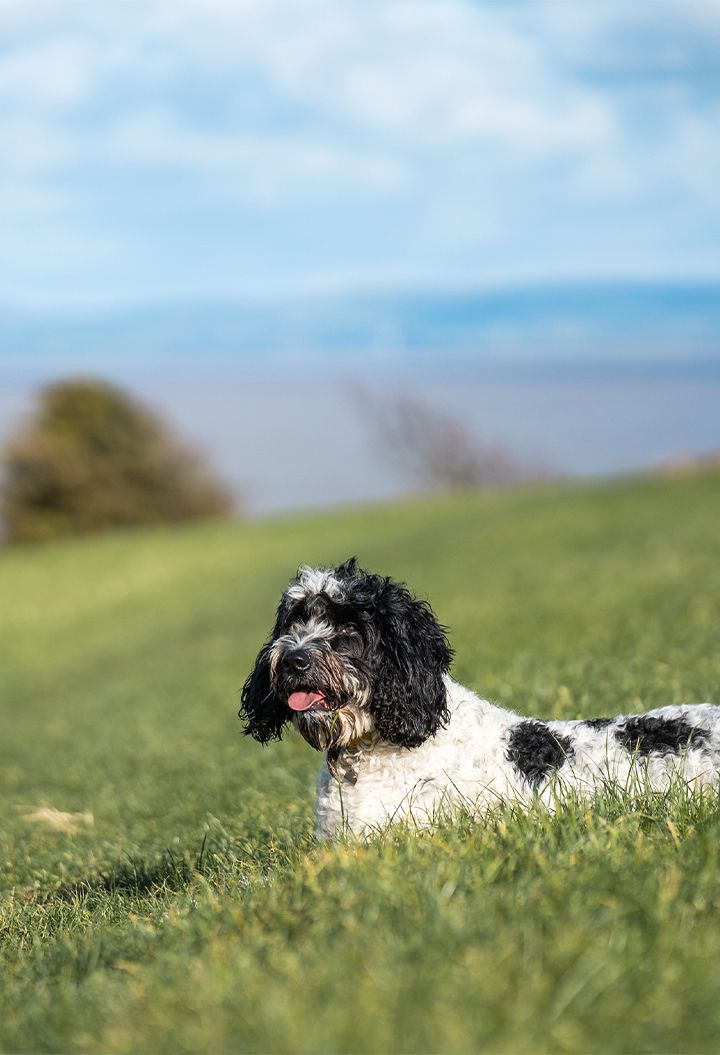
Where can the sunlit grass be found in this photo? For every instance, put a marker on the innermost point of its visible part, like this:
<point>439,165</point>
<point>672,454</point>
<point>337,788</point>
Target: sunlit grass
<point>193,909</point>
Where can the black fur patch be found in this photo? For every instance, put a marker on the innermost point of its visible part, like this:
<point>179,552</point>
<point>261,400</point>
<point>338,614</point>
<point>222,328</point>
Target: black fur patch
<point>645,735</point>
<point>597,723</point>
<point>536,751</point>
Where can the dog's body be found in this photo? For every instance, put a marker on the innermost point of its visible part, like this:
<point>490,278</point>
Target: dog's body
<point>486,755</point>
<point>361,669</point>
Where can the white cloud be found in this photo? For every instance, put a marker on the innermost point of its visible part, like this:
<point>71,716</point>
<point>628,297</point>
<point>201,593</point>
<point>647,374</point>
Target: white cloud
<point>33,147</point>
<point>441,137</point>
<point>428,71</point>
<point>55,73</point>
<point>263,168</point>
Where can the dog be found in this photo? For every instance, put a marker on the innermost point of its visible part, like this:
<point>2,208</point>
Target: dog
<point>361,667</point>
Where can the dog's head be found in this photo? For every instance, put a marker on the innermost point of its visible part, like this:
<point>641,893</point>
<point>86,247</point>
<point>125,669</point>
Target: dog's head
<point>351,653</point>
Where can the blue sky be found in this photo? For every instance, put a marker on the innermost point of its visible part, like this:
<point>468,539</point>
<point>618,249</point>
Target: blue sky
<point>194,150</point>
<point>193,190</point>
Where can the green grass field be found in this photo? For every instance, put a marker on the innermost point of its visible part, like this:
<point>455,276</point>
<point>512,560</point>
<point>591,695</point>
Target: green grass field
<point>195,912</point>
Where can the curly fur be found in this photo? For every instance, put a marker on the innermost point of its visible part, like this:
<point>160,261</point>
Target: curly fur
<point>400,672</point>
<point>402,739</point>
<point>408,702</point>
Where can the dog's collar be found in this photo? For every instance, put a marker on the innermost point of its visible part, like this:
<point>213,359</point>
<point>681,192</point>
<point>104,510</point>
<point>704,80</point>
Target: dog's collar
<point>343,762</point>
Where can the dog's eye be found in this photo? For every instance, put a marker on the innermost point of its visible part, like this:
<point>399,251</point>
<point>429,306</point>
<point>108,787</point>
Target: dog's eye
<point>348,628</point>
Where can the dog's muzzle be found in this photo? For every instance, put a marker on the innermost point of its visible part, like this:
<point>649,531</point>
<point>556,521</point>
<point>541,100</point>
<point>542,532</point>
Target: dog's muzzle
<point>295,671</point>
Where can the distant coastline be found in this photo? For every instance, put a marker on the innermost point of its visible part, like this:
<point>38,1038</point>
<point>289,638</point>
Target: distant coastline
<point>589,330</point>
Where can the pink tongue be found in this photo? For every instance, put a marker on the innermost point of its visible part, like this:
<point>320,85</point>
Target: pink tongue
<point>301,701</point>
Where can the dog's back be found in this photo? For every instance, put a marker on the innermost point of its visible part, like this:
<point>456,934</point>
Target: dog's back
<point>487,755</point>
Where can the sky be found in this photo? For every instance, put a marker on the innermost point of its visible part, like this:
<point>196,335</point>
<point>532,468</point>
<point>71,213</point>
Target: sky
<point>195,150</point>
<point>240,209</point>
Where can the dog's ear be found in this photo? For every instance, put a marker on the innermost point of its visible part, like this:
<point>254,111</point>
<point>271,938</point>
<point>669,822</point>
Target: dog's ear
<point>408,702</point>
<point>261,711</point>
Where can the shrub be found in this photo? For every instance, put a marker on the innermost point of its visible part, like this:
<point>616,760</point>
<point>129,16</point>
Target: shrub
<point>93,458</point>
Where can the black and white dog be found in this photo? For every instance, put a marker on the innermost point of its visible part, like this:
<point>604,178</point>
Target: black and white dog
<point>360,667</point>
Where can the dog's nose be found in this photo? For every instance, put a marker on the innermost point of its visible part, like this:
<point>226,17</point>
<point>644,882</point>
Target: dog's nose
<point>297,661</point>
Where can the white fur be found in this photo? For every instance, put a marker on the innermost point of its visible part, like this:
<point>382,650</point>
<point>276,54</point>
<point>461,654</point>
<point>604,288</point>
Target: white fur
<point>467,762</point>
<point>313,581</point>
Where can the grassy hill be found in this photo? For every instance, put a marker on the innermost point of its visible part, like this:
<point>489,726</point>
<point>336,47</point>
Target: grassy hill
<point>188,908</point>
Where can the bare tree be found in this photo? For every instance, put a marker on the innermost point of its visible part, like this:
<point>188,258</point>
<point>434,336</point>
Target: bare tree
<point>437,449</point>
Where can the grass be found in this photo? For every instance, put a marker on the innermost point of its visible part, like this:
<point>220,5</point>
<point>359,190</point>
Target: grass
<point>196,912</point>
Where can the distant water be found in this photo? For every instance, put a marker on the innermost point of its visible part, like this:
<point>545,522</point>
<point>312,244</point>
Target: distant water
<point>288,440</point>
